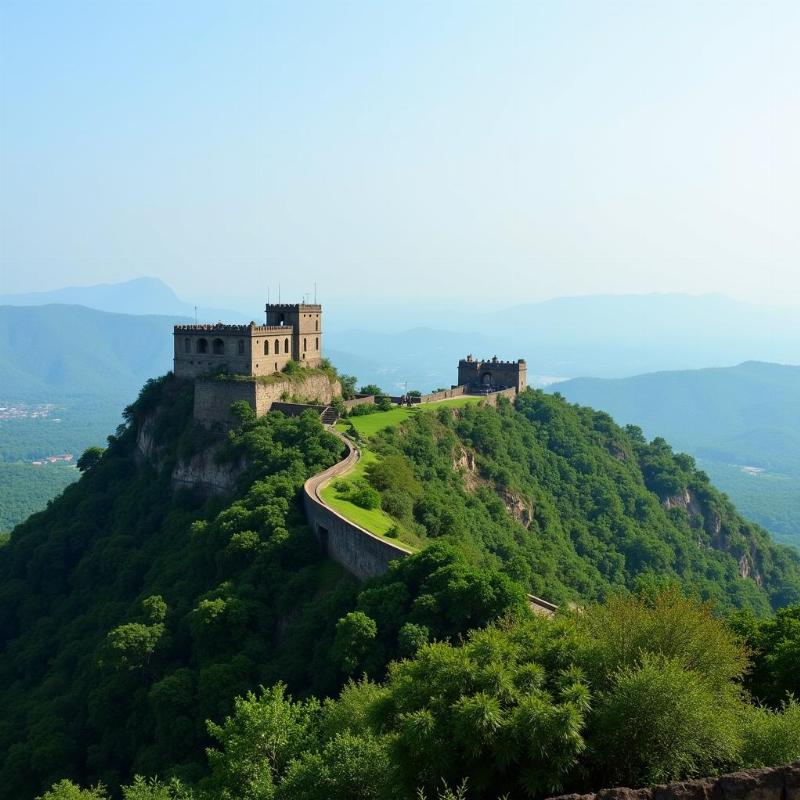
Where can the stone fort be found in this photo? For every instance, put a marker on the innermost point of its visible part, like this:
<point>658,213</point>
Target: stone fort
<point>492,375</point>
<point>207,354</point>
<point>293,332</point>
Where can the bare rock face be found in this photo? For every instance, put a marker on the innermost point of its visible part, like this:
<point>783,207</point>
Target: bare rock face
<point>202,472</point>
<point>685,500</point>
<point>464,462</point>
<point>521,510</point>
<point>772,783</point>
<point>711,522</point>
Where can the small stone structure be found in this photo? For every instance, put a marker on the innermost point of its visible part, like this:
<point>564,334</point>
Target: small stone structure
<point>293,331</point>
<point>483,376</point>
<point>772,783</point>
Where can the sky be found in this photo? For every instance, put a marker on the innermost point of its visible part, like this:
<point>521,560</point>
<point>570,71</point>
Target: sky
<point>484,153</point>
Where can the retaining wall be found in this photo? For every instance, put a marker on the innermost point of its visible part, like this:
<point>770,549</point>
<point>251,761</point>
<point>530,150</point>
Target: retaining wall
<point>446,394</point>
<point>360,400</point>
<point>360,552</point>
<point>213,398</point>
<point>772,783</point>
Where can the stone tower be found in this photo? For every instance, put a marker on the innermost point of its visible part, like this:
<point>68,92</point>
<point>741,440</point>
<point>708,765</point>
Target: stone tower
<point>293,332</point>
<point>305,320</point>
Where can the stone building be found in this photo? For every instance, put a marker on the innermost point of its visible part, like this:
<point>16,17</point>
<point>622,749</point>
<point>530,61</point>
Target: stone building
<point>492,375</point>
<point>293,331</point>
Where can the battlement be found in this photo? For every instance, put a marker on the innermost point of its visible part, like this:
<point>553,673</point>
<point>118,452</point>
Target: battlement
<point>314,307</point>
<point>494,361</point>
<point>237,330</point>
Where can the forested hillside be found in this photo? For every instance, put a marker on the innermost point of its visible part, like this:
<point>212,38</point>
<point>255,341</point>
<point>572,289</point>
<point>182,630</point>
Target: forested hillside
<point>571,505</point>
<point>131,613</point>
<point>741,422</point>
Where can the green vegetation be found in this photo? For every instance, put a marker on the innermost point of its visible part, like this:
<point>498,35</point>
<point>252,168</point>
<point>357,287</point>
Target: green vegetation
<point>292,373</point>
<point>563,500</point>
<point>131,614</point>
<point>26,489</point>
<point>344,494</point>
<point>640,690</point>
<point>728,418</point>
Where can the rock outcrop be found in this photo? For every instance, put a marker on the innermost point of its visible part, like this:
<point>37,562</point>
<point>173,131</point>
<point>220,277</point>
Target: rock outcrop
<point>772,783</point>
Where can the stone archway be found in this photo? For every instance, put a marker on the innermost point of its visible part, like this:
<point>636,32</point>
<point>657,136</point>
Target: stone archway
<point>486,380</point>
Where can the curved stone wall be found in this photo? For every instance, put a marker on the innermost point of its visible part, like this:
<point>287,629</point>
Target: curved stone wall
<point>360,552</point>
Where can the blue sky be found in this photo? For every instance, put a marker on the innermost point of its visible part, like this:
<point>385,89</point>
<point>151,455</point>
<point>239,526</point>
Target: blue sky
<point>495,150</point>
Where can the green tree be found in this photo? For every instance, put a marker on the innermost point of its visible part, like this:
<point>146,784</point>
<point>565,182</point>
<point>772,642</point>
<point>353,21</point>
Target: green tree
<point>257,742</point>
<point>355,633</point>
<point>67,790</point>
<point>90,458</point>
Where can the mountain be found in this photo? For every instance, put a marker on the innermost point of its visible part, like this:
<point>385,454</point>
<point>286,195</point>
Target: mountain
<point>146,296</point>
<point>742,422</point>
<point>50,351</point>
<point>131,610</point>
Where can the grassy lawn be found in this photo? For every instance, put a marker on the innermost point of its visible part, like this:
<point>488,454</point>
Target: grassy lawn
<point>370,424</point>
<point>376,520</point>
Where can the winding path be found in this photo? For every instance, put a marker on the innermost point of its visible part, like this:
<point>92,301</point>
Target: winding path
<point>360,552</point>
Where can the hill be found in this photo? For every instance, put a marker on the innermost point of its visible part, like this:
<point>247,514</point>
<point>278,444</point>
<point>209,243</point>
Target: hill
<point>741,422</point>
<point>145,296</point>
<point>49,351</point>
<point>130,612</point>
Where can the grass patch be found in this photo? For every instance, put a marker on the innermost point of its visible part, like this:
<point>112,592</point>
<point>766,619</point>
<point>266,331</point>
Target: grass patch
<point>376,520</point>
<point>370,424</point>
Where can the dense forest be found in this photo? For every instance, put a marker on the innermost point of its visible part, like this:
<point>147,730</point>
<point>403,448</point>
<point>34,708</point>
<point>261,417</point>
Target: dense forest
<point>133,615</point>
<point>572,506</point>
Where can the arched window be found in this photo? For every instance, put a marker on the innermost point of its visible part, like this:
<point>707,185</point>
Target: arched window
<point>187,345</point>
<point>266,347</point>
<point>305,344</point>
<point>282,319</point>
<point>316,325</point>
<point>317,342</point>
<point>286,346</point>
<point>240,346</point>
<point>202,345</point>
<point>218,347</point>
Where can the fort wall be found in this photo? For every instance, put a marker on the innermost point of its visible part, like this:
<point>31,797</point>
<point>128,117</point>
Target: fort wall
<point>213,397</point>
<point>360,552</point>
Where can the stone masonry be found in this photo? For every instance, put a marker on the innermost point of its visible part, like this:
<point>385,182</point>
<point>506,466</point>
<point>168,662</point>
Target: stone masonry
<point>293,331</point>
<point>492,375</point>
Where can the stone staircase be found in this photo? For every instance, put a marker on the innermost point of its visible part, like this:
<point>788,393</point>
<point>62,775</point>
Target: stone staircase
<point>329,415</point>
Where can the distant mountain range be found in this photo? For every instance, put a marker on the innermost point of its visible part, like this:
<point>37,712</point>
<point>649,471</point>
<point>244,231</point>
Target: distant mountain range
<point>49,351</point>
<point>138,296</point>
<point>742,423</point>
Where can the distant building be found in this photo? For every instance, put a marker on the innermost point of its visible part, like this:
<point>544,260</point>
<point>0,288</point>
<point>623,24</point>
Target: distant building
<point>293,331</point>
<point>492,375</point>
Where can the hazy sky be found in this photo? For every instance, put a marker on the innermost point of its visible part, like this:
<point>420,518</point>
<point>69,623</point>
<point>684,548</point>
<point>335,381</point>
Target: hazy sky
<point>510,151</point>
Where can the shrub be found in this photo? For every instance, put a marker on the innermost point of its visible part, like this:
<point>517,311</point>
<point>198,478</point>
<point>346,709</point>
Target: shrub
<point>366,497</point>
<point>772,737</point>
<point>661,722</point>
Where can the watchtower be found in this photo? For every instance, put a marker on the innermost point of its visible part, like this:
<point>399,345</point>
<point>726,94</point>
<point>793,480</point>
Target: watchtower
<point>492,375</point>
<point>305,320</point>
